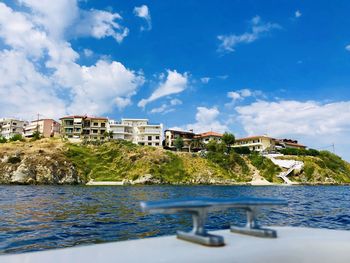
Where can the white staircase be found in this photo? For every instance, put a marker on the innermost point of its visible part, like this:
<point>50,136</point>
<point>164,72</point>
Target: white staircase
<point>291,165</point>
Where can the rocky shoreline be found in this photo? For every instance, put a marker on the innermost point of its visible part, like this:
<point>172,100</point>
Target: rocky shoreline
<point>50,162</point>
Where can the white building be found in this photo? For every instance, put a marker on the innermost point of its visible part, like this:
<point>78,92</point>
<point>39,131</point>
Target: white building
<point>9,127</point>
<point>138,131</point>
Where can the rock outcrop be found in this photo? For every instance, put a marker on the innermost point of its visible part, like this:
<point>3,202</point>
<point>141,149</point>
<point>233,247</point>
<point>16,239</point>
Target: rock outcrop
<point>36,164</point>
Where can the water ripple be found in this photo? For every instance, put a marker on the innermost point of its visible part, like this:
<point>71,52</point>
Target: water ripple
<point>43,217</point>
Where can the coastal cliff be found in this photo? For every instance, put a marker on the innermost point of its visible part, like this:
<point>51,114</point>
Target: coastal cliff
<point>51,161</point>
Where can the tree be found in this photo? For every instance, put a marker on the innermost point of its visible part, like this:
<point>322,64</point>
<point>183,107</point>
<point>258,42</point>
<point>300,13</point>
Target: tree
<point>228,139</point>
<point>36,136</point>
<point>3,139</point>
<point>179,143</point>
<point>16,137</point>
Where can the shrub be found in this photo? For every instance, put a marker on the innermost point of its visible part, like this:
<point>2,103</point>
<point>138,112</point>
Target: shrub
<point>3,139</point>
<point>242,150</point>
<point>16,137</point>
<point>300,152</point>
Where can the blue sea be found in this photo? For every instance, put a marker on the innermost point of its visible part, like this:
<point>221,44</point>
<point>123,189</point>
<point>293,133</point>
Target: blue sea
<point>36,218</point>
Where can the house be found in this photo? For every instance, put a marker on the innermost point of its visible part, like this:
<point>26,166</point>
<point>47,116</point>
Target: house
<point>171,135</point>
<point>288,143</point>
<point>79,127</point>
<point>46,128</point>
<point>10,127</point>
<point>138,131</point>
<point>257,143</point>
<point>205,137</point>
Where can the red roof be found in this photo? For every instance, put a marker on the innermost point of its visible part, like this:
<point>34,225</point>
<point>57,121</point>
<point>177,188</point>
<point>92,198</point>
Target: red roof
<point>208,134</point>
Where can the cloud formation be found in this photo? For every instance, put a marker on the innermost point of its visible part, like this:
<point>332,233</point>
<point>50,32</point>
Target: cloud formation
<point>166,108</point>
<point>316,123</point>
<point>39,66</point>
<point>297,14</point>
<point>207,119</point>
<point>228,43</point>
<point>144,13</point>
<point>175,83</point>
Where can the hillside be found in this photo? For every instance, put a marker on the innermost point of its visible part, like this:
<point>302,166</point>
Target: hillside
<point>51,161</point>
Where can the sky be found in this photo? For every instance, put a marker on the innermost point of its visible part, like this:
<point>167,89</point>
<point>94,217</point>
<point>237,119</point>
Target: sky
<point>279,68</point>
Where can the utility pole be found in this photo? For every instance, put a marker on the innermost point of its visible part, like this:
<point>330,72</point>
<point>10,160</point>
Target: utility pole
<point>333,148</point>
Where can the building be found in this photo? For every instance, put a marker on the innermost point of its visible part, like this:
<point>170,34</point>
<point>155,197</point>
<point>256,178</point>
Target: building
<point>257,143</point>
<point>171,135</point>
<point>208,136</point>
<point>138,131</point>
<point>288,143</point>
<point>84,127</point>
<point>46,128</point>
<point>10,127</point>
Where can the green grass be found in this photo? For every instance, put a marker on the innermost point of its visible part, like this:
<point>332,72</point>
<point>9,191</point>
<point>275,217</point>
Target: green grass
<point>266,167</point>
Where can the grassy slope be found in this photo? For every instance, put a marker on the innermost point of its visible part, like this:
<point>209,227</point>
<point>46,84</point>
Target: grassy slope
<point>115,161</point>
<point>325,168</point>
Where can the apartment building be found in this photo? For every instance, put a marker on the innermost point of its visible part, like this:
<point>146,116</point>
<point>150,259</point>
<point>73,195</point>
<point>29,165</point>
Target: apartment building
<point>289,143</point>
<point>46,128</point>
<point>171,135</point>
<point>84,127</point>
<point>138,131</point>
<point>208,136</point>
<point>10,127</point>
<point>257,143</point>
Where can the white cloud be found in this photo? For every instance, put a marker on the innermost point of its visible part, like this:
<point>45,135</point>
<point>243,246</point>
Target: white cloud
<point>206,120</point>
<point>258,28</point>
<point>97,88</point>
<point>316,124</point>
<point>144,13</point>
<point>347,47</point>
<point>242,94</point>
<point>54,16</point>
<point>174,102</point>
<point>88,52</point>
<point>205,80</point>
<point>24,91</point>
<point>174,83</point>
<point>298,14</point>
<point>39,68</point>
<point>101,24</point>
<point>166,108</point>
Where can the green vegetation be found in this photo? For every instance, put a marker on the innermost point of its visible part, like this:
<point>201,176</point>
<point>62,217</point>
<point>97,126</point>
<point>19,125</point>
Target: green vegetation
<point>16,137</point>
<point>179,143</point>
<point>242,150</point>
<point>122,160</point>
<point>266,167</point>
<point>325,167</point>
<point>3,139</point>
<point>36,136</point>
<point>302,152</point>
<point>228,139</point>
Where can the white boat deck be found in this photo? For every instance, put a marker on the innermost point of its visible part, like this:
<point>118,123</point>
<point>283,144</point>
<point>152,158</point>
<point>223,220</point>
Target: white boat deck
<point>292,245</point>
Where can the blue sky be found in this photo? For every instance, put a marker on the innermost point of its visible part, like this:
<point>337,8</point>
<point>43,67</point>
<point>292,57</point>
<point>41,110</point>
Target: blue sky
<point>249,67</point>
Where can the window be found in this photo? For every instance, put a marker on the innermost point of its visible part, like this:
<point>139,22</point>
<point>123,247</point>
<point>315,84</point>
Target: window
<point>157,143</point>
<point>95,123</point>
<point>157,137</point>
<point>150,138</point>
<point>103,124</point>
<point>149,143</point>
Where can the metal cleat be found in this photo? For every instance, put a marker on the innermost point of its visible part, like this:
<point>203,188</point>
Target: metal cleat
<point>252,226</point>
<point>199,209</point>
